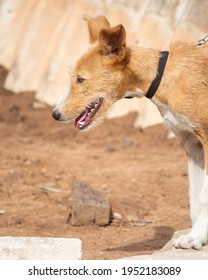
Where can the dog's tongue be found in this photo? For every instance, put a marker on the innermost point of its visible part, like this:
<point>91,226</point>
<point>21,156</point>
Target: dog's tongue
<point>83,119</point>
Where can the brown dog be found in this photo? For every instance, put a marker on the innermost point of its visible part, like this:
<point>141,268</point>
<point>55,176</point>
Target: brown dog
<point>111,70</point>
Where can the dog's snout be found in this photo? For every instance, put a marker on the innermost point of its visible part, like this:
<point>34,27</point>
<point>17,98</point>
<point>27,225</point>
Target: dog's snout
<point>56,115</point>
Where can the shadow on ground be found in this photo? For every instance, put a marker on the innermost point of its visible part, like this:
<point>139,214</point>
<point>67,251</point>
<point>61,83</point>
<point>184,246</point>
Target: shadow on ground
<point>161,236</point>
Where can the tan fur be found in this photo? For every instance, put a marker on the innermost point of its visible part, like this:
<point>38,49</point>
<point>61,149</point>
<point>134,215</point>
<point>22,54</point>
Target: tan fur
<point>110,68</point>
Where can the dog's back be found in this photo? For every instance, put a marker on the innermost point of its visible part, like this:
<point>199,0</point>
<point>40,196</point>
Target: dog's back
<point>186,81</point>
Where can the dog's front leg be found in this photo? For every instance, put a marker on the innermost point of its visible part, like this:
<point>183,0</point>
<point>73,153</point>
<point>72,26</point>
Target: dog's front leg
<point>196,169</point>
<point>198,186</point>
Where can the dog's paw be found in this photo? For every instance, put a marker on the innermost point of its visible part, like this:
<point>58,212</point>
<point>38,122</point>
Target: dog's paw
<point>189,241</point>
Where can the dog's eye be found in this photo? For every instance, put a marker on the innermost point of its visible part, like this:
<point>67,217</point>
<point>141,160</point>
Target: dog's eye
<point>80,79</point>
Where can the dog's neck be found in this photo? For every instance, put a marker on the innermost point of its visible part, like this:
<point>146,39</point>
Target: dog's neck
<point>142,70</point>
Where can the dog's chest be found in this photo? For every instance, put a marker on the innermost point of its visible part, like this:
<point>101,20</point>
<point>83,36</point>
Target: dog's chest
<point>174,121</point>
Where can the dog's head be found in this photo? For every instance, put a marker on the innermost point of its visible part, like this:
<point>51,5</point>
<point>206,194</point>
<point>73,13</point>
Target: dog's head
<point>99,78</point>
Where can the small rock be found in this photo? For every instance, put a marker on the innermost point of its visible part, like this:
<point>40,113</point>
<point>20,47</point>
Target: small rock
<point>89,206</point>
<point>2,211</point>
<point>43,171</point>
<point>117,216</point>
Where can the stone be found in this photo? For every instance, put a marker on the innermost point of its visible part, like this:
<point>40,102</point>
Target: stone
<point>2,211</point>
<point>40,248</point>
<point>89,206</point>
<point>117,216</point>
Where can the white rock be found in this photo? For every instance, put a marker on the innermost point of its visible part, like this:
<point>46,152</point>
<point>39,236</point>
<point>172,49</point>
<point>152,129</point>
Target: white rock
<point>40,248</point>
<point>117,216</point>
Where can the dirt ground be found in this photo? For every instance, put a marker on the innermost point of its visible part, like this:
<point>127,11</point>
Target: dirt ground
<point>143,175</point>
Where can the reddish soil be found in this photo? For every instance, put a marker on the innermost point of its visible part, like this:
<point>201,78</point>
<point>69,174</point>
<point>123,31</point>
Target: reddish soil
<point>142,173</point>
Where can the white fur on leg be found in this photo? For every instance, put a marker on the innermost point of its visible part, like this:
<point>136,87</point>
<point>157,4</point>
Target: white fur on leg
<point>196,178</point>
<point>183,128</point>
<point>198,235</point>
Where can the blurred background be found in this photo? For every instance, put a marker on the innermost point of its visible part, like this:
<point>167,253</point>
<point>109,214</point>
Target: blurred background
<point>42,39</point>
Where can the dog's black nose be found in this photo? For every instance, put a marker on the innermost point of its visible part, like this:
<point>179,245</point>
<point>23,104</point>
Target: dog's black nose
<point>56,115</point>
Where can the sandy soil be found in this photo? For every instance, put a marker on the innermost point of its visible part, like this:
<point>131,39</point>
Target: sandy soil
<point>143,175</point>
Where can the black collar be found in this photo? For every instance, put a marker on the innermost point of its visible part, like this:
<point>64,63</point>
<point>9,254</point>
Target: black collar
<point>156,82</point>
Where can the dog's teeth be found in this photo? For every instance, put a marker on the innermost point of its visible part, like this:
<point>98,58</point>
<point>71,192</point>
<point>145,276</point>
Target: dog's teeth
<point>81,123</point>
<point>90,111</point>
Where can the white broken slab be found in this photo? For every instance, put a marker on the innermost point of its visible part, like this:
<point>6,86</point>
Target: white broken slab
<point>40,248</point>
<point>168,252</point>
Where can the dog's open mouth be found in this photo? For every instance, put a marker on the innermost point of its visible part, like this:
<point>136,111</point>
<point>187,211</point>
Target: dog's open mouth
<point>85,118</point>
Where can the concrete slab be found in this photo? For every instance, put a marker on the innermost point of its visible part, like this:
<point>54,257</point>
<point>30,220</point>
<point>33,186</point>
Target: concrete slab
<point>168,252</point>
<point>40,248</point>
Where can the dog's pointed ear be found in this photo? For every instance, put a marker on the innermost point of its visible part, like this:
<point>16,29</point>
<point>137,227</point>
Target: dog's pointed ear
<point>112,42</point>
<point>95,25</point>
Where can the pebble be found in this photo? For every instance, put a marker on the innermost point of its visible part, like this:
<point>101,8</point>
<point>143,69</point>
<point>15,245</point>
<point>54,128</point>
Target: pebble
<point>43,171</point>
<point>117,216</point>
